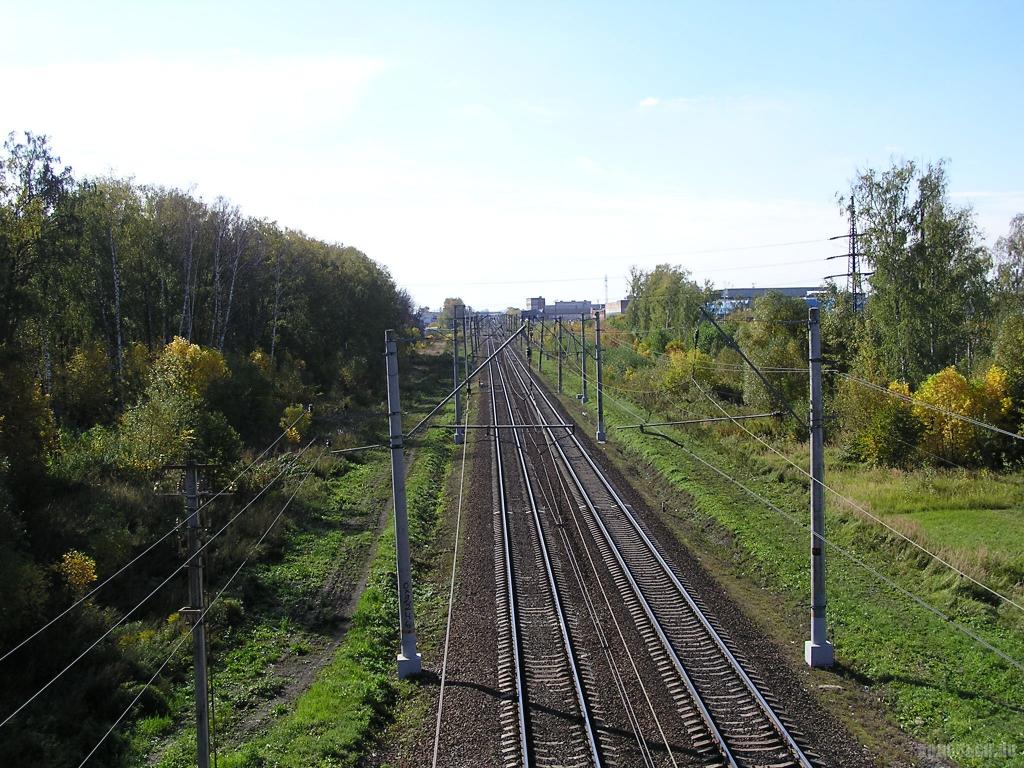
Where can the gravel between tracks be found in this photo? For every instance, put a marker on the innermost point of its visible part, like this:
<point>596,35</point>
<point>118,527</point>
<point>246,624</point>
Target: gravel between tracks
<point>470,731</point>
<point>823,733</point>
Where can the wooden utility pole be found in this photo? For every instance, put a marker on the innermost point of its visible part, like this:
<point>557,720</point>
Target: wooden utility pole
<point>194,614</point>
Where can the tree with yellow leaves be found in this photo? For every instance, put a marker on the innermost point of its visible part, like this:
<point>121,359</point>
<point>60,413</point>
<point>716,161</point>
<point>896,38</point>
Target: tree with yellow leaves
<point>78,571</point>
<point>948,392</point>
<point>173,419</point>
<point>296,420</point>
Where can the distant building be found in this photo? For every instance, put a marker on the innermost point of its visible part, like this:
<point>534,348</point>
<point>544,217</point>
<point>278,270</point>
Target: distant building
<point>617,307</point>
<point>540,308</point>
<point>568,309</point>
<point>730,299</point>
<point>427,317</point>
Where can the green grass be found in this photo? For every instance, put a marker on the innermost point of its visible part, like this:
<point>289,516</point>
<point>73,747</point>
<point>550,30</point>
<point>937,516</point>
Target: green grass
<point>354,696</point>
<point>973,513</point>
<point>939,685</point>
<point>288,619</point>
<point>286,611</point>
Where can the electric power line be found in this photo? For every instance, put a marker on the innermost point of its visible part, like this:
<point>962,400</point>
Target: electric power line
<point>845,553</point>
<point>156,589</point>
<point>202,616</point>
<point>697,252</point>
<point>451,601</point>
<point>148,549</point>
<point>861,509</point>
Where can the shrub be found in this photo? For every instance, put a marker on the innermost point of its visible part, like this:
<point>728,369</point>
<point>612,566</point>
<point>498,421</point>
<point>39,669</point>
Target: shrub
<point>683,366</point>
<point>302,419</point>
<point>186,367</point>
<point>78,571</point>
<point>86,395</point>
<point>891,438</point>
<point>985,398</point>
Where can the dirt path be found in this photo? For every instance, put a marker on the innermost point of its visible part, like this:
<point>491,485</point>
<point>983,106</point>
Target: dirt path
<point>301,670</point>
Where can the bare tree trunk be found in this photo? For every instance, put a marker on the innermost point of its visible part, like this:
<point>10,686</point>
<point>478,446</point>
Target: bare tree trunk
<point>236,264</point>
<point>188,298</point>
<point>47,357</point>
<point>222,220</point>
<point>277,304</point>
<point>215,322</point>
<point>163,309</point>
<point>118,338</point>
<point>187,287</point>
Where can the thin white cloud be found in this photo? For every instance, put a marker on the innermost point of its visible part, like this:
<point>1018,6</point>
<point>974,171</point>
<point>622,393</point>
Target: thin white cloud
<point>650,101</point>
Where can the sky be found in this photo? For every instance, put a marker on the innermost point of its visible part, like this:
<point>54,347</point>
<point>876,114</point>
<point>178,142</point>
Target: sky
<point>499,151</point>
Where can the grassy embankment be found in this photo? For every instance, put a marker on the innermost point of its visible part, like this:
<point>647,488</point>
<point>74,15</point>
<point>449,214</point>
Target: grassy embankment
<point>347,692</point>
<point>942,687</point>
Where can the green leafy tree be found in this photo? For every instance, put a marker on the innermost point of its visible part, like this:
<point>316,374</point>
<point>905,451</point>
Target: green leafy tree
<point>929,295</point>
<point>173,420</point>
<point>665,305</point>
<point>775,338</point>
<point>33,227</point>
<point>1009,353</point>
<point>444,320</point>
<point>1008,255</point>
<point>842,328</point>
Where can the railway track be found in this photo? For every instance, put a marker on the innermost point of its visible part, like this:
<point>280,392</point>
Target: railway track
<point>552,723</point>
<point>605,656</point>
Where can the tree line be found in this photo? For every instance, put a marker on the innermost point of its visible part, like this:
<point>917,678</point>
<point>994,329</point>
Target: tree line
<point>141,325</point>
<point>941,325</point>
<point>98,274</point>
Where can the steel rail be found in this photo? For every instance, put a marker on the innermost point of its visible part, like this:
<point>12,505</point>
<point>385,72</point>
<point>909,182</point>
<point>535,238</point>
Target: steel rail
<point>766,708</point>
<point>563,626</point>
<point>591,605</point>
<point>517,656</point>
<point>465,381</point>
<point>670,650</point>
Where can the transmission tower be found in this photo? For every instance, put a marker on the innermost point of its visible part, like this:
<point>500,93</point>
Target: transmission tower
<point>853,274</point>
<point>853,280</point>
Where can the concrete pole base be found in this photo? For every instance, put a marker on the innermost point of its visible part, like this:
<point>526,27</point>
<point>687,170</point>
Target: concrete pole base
<point>409,666</point>
<point>600,436</point>
<point>582,398</point>
<point>459,437</point>
<point>819,655</point>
